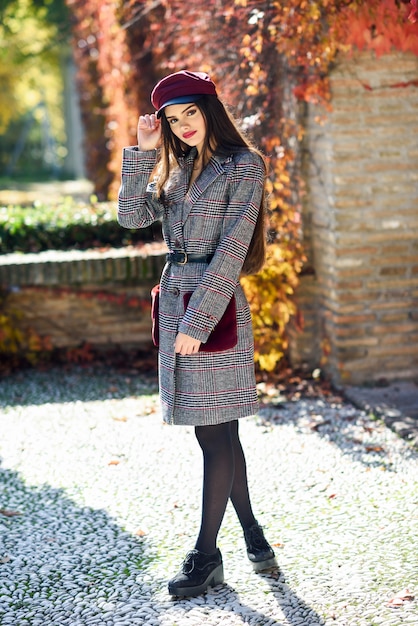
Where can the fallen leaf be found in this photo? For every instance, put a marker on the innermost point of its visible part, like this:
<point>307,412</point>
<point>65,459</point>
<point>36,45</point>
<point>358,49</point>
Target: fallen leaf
<point>315,425</point>
<point>395,603</point>
<point>140,532</point>
<point>114,462</point>
<point>5,559</point>
<point>398,600</point>
<point>278,545</point>
<point>374,449</point>
<point>8,513</point>
<point>120,419</point>
<point>406,595</point>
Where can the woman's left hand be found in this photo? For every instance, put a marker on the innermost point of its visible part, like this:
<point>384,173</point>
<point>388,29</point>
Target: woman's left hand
<point>185,344</point>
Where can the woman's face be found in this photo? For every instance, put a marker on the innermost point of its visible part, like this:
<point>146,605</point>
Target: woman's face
<point>187,123</point>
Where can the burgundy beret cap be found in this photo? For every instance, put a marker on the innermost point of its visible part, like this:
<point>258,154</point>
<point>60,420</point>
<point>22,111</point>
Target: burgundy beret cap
<point>181,87</point>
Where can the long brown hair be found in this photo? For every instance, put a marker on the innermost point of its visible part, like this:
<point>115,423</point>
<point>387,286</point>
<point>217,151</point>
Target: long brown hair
<point>223,137</point>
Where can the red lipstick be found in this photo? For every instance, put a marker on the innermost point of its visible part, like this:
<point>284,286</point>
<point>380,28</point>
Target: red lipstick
<point>189,134</point>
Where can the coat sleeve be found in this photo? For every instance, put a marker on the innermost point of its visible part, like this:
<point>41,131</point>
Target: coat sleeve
<point>138,206</point>
<point>211,297</point>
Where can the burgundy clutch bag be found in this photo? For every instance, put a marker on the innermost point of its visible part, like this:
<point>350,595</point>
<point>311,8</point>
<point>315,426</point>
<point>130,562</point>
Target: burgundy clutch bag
<point>223,337</point>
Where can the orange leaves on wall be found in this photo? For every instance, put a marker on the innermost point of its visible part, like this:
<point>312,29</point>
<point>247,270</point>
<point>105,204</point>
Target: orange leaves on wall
<point>379,25</point>
<point>413,14</point>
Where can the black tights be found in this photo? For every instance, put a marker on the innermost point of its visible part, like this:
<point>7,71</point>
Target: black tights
<point>224,477</point>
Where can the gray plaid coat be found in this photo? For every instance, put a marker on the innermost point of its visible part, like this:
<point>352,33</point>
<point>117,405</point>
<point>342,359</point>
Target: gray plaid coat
<point>215,216</point>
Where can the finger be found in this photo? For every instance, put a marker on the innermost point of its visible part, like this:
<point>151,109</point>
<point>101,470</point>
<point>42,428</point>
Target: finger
<point>145,122</point>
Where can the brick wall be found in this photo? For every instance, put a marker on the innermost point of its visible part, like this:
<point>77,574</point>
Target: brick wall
<point>102,298</point>
<point>361,222</point>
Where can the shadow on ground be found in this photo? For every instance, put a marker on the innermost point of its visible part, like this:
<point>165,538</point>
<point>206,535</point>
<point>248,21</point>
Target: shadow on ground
<point>60,561</point>
<point>64,564</point>
<point>225,598</point>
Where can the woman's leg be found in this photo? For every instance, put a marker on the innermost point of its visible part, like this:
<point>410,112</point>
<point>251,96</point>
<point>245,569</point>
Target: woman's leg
<point>203,566</point>
<point>259,550</point>
<point>240,496</point>
<point>218,477</point>
<point>224,477</point>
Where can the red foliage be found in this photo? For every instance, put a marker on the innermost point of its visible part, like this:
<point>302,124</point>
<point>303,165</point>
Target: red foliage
<point>108,109</point>
<point>119,299</point>
<point>254,50</point>
<point>379,25</point>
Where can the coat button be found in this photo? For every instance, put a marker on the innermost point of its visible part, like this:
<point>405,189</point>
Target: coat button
<point>176,292</point>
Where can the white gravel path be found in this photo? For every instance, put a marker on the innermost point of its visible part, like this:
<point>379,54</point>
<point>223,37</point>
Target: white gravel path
<point>109,502</point>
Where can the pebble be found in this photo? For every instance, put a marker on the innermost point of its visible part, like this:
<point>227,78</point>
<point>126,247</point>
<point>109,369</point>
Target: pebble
<point>95,543</point>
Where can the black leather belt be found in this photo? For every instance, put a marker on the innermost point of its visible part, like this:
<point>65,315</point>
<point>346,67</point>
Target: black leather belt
<point>181,258</point>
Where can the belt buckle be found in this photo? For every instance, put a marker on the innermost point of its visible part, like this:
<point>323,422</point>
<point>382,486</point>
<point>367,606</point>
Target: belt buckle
<point>185,258</point>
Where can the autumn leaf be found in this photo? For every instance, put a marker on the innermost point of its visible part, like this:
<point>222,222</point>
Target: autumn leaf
<point>374,449</point>
<point>398,600</point>
<point>8,513</point>
<point>5,559</point>
<point>114,462</point>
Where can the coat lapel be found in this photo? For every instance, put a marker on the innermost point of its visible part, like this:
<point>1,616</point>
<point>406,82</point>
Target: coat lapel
<point>176,193</point>
<point>214,168</point>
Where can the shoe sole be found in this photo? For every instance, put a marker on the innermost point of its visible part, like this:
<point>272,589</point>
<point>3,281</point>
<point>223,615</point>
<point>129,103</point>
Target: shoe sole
<point>260,566</point>
<point>216,577</point>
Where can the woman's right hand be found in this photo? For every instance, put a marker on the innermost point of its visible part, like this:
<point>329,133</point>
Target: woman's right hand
<point>149,132</point>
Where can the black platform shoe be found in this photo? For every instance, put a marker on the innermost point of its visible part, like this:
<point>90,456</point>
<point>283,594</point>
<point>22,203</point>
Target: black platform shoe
<point>259,551</point>
<point>198,572</point>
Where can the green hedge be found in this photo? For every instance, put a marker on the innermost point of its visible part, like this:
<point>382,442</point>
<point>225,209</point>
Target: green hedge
<point>66,226</point>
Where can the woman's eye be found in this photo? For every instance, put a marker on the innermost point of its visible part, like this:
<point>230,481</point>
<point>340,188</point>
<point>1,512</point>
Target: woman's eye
<point>173,120</point>
<point>191,112</point>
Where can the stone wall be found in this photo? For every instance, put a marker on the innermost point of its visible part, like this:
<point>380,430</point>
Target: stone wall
<point>102,298</point>
<point>361,220</point>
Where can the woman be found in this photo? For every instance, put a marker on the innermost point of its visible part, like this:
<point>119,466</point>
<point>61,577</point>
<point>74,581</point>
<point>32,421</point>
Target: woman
<point>208,188</point>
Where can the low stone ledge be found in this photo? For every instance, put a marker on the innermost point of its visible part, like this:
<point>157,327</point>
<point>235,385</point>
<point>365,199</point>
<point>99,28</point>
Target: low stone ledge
<point>77,267</point>
<point>100,297</point>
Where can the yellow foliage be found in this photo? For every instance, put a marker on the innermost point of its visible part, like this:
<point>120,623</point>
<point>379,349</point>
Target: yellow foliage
<point>19,345</point>
<point>30,59</point>
<point>269,294</point>
<point>251,90</point>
